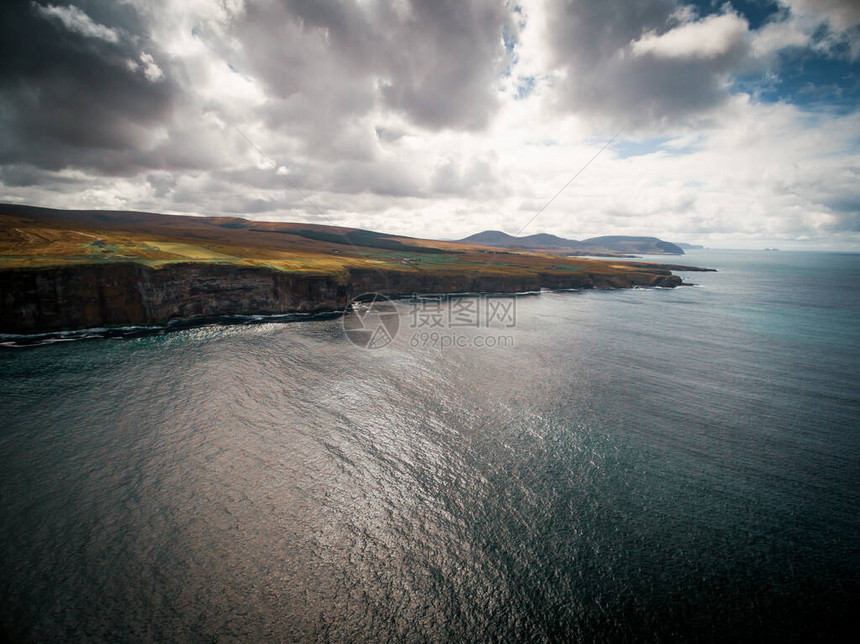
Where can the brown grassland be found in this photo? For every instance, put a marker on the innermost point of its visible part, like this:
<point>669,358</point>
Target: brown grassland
<point>37,237</point>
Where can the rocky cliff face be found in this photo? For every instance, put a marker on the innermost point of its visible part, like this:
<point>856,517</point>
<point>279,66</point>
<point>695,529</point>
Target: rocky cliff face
<point>399,283</point>
<point>585,280</point>
<point>402,283</point>
<point>82,296</point>
<point>92,295</point>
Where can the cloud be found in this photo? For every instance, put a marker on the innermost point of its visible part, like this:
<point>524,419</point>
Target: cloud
<point>841,14</point>
<point>644,66</point>
<point>707,39</point>
<point>73,19</point>
<point>147,65</point>
<point>832,26</point>
<point>381,178</point>
<point>151,70</point>
<point>453,54</point>
<point>74,100</point>
<point>475,177</point>
<point>777,36</point>
<point>435,62</point>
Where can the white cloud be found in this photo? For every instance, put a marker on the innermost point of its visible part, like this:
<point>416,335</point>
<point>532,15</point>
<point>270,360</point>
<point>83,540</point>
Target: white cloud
<point>777,36</point>
<point>841,14</point>
<point>73,19</point>
<point>152,71</point>
<point>708,38</point>
<point>840,17</point>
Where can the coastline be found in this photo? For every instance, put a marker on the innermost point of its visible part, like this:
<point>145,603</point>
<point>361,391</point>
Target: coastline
<point>62,270</point>
<point>128,294</point>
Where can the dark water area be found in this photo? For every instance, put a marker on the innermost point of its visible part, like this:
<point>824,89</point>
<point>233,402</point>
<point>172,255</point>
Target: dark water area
<point>642,465</point>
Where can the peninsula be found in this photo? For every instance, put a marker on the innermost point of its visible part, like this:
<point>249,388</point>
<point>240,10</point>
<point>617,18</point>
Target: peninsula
<point>70,269</point>
<point>610,245</point>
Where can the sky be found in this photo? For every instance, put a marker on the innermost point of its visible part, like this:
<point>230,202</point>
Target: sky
<point>733,124</point>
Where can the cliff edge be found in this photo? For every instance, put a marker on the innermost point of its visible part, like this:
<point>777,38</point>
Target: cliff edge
<point>65,269</point>
<point>37,300</point>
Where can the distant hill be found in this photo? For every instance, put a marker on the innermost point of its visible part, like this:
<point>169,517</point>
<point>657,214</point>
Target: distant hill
<point>643,245</point>
<point>543,241</point>
<point>607,244</point>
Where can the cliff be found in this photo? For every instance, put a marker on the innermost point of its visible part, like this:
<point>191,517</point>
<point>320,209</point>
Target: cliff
<point>72,269</point>
<point>82,296</point>
<point>119,294</point>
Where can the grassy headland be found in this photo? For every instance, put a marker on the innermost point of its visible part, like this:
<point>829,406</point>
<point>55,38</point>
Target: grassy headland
<point>46,257</point>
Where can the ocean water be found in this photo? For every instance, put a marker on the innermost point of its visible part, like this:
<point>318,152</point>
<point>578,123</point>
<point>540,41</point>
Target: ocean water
<point>642,465</point>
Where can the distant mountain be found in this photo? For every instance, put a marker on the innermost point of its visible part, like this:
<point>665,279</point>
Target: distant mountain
<point>545,241</point>
<point>643,245</point>
<point>686,246</point>
<point>489,238</point>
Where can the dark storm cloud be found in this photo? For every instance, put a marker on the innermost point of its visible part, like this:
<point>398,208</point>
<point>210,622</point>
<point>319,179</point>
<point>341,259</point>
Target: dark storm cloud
<point>434,61</point>
<point>593,42</point>
<point>21,175</point>
<point>79,85</point>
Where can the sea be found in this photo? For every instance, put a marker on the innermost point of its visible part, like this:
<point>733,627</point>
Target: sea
<point>645,465</point>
